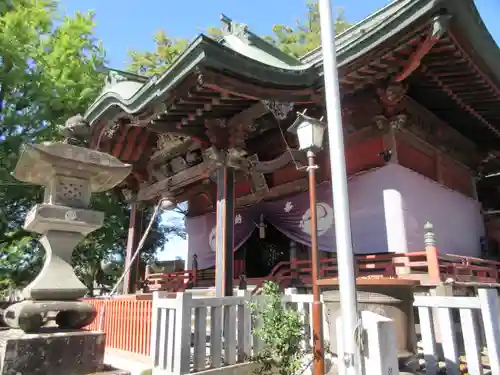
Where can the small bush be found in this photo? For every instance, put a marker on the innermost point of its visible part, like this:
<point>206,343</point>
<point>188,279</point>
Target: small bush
<point>281,330</point>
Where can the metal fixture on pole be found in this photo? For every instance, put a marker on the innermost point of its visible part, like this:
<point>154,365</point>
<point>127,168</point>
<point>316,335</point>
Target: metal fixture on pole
<point>351,357</point>
<point>310,135</point>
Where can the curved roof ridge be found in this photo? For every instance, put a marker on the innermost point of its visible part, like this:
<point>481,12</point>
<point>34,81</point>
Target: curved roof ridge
<point>203,51</point>
<point>243,53</point>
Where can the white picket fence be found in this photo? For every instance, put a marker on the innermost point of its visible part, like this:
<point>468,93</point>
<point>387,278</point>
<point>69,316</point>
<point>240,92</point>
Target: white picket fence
<point>476,313</point>
<point>191,335</point>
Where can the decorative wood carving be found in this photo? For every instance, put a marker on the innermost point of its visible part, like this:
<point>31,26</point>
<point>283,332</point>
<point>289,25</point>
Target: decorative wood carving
<point>217,133</point>
<point>274,192</point>
<point>212,158</point>
<point>247,117</point>
<point>280,110</point>
<point>259,183</point>
<point>295,156</point>
<point>241,124</point>
<point>237,135</point>
<point>359,110</point>
<point>178,181</point>
<point>427,126</point>
<point>169,147</point>
<point>162,126</point>
<point>111,129</point>
<point>391,95</point>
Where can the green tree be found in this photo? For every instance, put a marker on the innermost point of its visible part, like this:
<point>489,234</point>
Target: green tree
<point>295,40</point>
<point>305,35</point>
<point>155,62</point>
<point>108,244</point>
<point>48,73</point>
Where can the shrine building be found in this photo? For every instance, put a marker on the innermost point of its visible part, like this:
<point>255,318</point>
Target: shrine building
<point>420,96</point>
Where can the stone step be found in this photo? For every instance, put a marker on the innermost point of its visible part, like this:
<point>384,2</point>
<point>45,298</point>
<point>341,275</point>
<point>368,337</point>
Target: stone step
<point>112,372</point>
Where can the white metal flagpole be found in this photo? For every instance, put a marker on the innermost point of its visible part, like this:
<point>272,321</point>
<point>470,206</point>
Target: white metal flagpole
<point>351,359</point>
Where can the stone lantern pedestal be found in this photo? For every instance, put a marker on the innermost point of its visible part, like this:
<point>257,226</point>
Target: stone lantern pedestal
<point>70,174</point>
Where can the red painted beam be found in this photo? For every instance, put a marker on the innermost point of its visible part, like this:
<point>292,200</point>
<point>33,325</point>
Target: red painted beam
<point>141,145</point>
<point>117,148</point>
<point>415,60</point>
<point>130,143</point>
<point>471,63</point>
<point>460,102</point>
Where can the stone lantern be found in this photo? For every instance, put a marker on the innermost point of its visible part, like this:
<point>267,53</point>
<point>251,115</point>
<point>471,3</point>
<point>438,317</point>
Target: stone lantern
<point>70,174</point>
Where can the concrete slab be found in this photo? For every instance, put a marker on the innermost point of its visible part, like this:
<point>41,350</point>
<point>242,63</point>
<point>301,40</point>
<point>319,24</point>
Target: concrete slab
<point>133,363</point>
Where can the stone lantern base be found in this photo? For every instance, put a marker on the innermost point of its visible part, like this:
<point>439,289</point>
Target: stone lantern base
<point>51,352</point>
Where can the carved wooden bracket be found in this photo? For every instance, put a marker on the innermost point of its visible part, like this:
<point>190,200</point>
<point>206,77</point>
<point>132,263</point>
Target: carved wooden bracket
<point>279,110</point>
<point>211,159</point>
<point>178,181</point>
<point>217,133</point>
<point>299,157</point>
<point>240,124</point>
<point>359,110</point>
<point>259,183</point>
<point>438,28</point>
<point>391,95</point>
<point>274,192</point>
<point>253,165</point>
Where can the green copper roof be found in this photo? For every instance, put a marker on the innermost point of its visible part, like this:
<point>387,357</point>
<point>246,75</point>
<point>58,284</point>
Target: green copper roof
<point>397,16</point>
<point>243,53</point>
<point>377,27</point>
<point>238,51</point>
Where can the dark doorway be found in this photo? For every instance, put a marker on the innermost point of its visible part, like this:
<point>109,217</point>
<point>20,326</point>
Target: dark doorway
<point>262,254</point>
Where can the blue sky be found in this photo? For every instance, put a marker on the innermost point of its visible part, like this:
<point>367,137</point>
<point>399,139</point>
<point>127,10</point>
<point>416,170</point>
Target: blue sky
<point>129,25</point>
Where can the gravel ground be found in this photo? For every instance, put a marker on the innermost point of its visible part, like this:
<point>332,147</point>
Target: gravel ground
<point>462,366</point>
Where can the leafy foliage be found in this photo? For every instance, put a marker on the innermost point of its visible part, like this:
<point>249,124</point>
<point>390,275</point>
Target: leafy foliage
<point>281,330</point>
<point>155,63</point>
<point>108,243</point>
<point>296,41</point>
<point>305,35</point>
<point>48,73</point>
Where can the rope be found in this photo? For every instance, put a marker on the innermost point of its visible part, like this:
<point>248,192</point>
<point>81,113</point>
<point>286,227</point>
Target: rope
<point>129,266</point>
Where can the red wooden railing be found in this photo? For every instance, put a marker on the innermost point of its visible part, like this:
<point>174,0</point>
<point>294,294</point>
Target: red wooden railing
<point>468,269</point>
<point>127,323</point>
<point>426,266</point>
<point>375,265</point>
<point>367,266</point>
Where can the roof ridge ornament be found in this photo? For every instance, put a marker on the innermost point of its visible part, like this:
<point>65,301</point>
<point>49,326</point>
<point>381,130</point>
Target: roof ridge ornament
<point>280,110</point>
<point>113,78</point>
<point>230,27</point>
<point>76,131</point>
